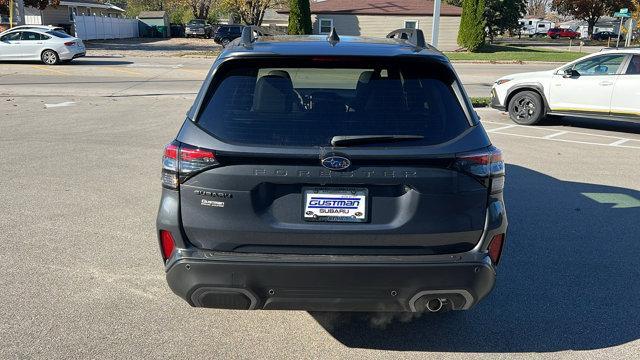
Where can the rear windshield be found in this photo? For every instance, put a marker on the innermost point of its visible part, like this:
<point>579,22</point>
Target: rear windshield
<point>258,103</point>
<point>59,33</point>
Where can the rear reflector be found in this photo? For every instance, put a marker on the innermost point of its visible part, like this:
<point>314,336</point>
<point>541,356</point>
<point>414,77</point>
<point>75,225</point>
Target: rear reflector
<point>495,248</point>
<point>167,244</point>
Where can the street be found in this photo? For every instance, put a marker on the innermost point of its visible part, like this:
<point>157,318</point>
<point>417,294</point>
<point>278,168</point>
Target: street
<point>82,276</point>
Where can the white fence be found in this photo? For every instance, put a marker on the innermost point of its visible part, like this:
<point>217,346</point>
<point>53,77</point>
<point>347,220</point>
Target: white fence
<point>98,27</point>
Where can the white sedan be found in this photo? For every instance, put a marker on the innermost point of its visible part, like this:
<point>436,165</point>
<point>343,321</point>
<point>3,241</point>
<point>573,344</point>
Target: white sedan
<point>605,85</point>
<point>47,45</point>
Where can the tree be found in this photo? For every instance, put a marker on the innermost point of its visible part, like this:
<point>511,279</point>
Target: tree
<point>251,12</point>
<point>537,8</point>
<point>200,8</point>
<point>39,4</point>
<point>502,16</point>
<point>589,10</point>
<point>457,3</point>
<point>300,17</point>
<point>471,34</point>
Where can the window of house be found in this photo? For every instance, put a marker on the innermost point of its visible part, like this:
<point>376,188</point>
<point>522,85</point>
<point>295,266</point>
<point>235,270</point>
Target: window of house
<point>325,26</point>
<point>411,24</point>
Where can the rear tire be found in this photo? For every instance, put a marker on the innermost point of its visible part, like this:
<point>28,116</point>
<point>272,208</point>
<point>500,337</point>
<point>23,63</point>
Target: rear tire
<point>225,42</point>
<point>50,57</point>
<point>526,108</point>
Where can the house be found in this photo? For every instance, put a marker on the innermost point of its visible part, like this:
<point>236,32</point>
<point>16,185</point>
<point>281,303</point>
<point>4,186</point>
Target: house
<point>150,20</point>
<point>377,18</point>
<point>63,14</point>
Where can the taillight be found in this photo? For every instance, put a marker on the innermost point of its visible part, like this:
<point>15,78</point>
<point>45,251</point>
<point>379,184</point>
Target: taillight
<point>70,43</point>
<point>486,164</point>
<point>495,248</point>
<point>181,160</point>
<point>167,244</point>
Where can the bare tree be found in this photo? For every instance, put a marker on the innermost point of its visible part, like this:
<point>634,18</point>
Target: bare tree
<point>251,12</point>
<point>200,8</point>
<point>538,8</point>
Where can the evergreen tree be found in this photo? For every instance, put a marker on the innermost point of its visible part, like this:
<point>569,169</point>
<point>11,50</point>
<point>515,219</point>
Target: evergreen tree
<point>471,34</point>
<point>502,16</point>
<point>299,17</point>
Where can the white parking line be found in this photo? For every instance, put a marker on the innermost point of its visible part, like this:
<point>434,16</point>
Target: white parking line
<point>619,142</point>
<point>501,128</point>
<point>63,104</point>
<point>555,134</point>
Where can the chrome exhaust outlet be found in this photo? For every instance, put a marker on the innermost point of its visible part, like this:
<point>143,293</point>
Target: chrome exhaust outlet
<point>435,305</point>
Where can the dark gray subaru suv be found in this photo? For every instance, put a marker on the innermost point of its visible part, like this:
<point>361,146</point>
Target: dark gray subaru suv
<point>332,174</point>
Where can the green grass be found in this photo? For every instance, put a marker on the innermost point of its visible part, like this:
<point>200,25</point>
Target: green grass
<point>203,54</point>
<point>480,101</point>
<point>515,54</point>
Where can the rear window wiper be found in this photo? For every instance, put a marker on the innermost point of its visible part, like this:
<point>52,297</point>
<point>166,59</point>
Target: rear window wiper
<point>346,140</point>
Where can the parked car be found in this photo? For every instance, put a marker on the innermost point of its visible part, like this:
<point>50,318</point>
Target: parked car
<point>604,85</point>
<point>49,46</point>
<point>227,33</point>
<point>198,28</point>
<point>606,35</point>
<point>562,33</point>
<point>318,174</point>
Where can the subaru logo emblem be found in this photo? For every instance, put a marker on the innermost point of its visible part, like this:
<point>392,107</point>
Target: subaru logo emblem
<point>336,162</point>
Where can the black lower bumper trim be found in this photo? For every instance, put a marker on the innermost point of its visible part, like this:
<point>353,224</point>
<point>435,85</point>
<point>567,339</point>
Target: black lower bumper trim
<point>495,103</point>
<point>394,286</point>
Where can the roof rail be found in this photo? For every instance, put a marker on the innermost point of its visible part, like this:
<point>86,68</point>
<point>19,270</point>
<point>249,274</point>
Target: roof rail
<point>413,36</point>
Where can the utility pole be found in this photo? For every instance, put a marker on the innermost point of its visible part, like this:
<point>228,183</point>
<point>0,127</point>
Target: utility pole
<point>20,6</point>
<point>10,14</point>
<point>435,29</point>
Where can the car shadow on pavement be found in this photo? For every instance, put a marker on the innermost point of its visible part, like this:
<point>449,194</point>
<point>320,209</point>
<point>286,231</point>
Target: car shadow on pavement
<point>631,127</point>
<point>75,62</point>
<point>93,62</point>
<point>569,279</point>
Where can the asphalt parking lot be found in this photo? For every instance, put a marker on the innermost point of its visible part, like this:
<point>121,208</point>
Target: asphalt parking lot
<point>81,274</point>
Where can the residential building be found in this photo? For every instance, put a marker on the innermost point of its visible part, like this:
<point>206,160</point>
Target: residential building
<point>376,18</point>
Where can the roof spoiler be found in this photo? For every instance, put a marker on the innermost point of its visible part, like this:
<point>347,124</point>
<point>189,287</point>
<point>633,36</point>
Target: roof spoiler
<point>413,36</point>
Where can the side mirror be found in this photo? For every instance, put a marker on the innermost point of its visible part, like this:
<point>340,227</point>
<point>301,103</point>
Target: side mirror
<point>570,73</point>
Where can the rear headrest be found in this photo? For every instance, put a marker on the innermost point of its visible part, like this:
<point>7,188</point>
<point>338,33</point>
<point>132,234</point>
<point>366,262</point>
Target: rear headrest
<point>365,76</point>
<point>280,73</point>
<point>385,95</point>
<point>273,94</point>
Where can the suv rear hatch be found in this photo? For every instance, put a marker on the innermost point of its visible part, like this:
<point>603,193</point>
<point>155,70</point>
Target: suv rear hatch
<point>335,156</point>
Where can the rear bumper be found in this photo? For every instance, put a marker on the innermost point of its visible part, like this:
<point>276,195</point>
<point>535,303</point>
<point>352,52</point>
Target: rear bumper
<point>323,283</point>
<point>69,55</point>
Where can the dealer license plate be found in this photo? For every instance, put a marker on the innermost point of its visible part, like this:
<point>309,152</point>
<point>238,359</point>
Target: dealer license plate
<point>335,204</point>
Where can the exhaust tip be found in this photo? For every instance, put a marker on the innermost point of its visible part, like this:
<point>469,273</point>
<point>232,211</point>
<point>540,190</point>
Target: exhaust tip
<point>435,305</point>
